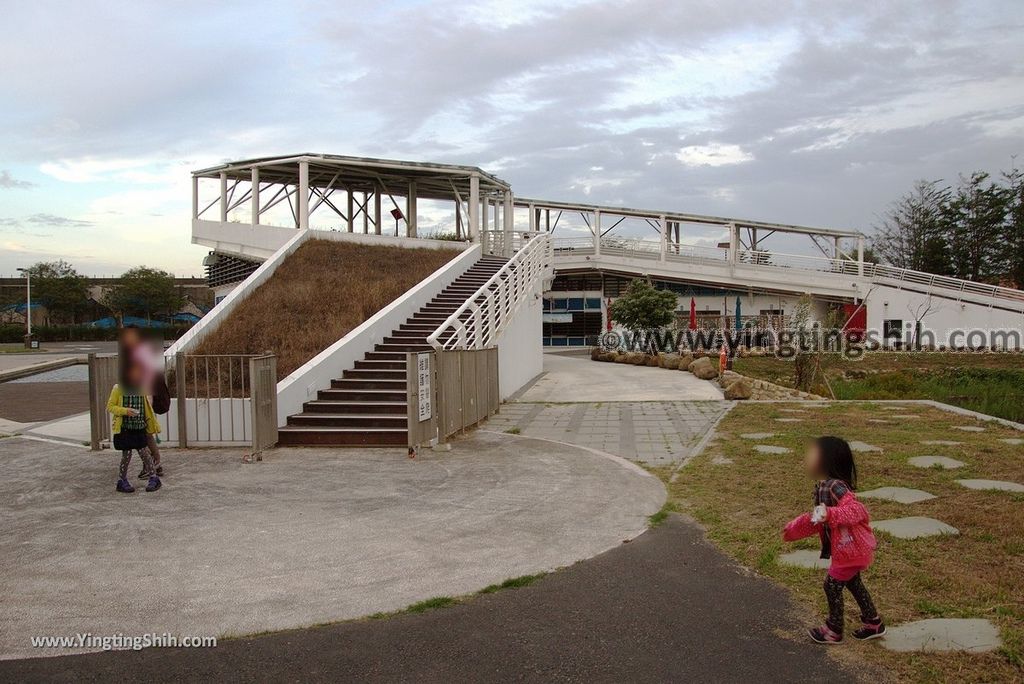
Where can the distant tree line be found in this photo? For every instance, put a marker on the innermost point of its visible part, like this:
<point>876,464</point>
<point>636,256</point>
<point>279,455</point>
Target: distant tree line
<point>972,230</point>
<point>56,285</point>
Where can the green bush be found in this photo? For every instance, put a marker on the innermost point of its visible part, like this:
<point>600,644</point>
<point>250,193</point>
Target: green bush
<point>80,333</point>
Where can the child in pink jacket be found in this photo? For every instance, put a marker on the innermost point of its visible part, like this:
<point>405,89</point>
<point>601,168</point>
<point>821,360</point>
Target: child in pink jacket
<point>843,524</point>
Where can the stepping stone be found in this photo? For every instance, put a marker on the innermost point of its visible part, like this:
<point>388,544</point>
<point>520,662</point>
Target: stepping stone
<point>769,449</point>
<point>943,462</point>
<point>894,407</point>
<point>994,485</point>
<point>789,420</point>
<point>863,446</point>
<point>969,428</point>
<point>721,460</point>
<point>914,527</point>
<point>879,420</point>
<point>905,416</point>
<point>1012,440</point>
<point>805,559</point>
<point>757,435</point>
<point>974,635</point>
<point>903,495</point>
<point>789,410</point>
<point>940,442</point>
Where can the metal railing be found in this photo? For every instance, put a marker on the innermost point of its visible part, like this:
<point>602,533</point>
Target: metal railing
<point>477,323</point>
<point>881,273</point>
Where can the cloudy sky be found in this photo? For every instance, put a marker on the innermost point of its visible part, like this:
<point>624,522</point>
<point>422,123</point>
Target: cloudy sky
<point>818,113</point>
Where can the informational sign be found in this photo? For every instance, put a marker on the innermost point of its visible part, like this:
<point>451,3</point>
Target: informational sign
<point>557,318</point>
<point>423,385</point>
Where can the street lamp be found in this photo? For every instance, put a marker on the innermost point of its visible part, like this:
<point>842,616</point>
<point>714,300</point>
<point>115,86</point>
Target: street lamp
<point>28,304</point>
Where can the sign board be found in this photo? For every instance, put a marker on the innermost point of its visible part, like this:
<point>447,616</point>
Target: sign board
<point>423,385</point>
<point>557,318</point>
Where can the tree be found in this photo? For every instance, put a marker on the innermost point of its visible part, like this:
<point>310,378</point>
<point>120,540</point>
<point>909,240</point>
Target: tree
<point>1012,240</point>
<point>912,233</point>
<point>975,216</point>
<point>145,292</point>
<point>60,288</point>
<point>644,307</point>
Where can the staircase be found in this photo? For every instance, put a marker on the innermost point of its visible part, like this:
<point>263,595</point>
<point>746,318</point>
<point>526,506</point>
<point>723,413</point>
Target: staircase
<point>367,405</point>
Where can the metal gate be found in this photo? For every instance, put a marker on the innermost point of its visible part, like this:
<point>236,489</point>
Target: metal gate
<point>449,391</point>
<point>217,400</point>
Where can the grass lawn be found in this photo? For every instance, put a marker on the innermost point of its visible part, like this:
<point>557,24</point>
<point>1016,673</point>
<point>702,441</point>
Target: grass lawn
<point>746,503</point>
<point>989,383</point>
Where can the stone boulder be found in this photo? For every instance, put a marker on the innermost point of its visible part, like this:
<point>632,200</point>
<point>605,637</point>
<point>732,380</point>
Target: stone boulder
<point>596,353</point>
<point>635,358</point>
<point>651,360</point>
<point>739,389</point>
<point>704,369</point>
<point>729,377</point>
<point>621,358</point>
<point>685,359</point>
<point>669,361</point>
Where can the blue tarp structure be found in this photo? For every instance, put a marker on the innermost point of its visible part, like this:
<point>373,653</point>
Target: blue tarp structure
<point>111,322</point>
<point>184,318</point>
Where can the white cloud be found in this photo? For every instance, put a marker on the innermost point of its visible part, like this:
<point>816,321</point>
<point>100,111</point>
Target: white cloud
<point>713,154</point>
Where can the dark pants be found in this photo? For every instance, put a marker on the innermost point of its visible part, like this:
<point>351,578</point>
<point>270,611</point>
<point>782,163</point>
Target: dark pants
<point>834,594</point>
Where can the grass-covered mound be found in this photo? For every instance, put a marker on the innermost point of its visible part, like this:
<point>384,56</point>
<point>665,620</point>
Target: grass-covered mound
<point>320,293</point>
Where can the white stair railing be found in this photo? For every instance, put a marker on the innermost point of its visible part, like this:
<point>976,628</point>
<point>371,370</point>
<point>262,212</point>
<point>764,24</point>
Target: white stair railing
<point>477,323</point>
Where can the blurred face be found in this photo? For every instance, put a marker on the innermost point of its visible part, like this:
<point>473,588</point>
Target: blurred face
<point>130,337</point>
<point>812,461</point>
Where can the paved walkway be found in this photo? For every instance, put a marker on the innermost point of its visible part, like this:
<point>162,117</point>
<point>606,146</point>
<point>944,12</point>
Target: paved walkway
<point>654,433</point>
<point>665,607</point>
<point>305,537</point>
<point>574,377</point>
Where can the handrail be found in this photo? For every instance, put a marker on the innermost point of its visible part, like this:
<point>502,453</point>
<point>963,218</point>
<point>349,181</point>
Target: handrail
<point>649,249</point>
<point>496,301</point>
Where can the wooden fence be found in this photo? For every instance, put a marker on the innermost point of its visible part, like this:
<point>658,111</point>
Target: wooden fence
<point>449,391</point>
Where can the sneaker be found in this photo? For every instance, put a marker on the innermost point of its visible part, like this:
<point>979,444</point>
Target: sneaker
<point>153,484</point>
<point>123,485</point>
<point>824,635</point>
<point>145,474</point>
<point>870,630</point>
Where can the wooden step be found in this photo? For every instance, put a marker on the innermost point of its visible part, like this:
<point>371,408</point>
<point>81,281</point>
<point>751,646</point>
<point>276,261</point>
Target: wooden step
<point>371,364</point>
<point>363,384</point>
<point>295,435</point>
<point>360,395</point>
<point>411,347</point>
<point>348,407</point>
<point>373,373</point>
<point>363,420</point>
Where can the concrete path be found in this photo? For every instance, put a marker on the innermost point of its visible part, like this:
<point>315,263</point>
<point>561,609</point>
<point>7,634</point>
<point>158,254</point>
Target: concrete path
<point>655,433</point>
<point>305,537</point>
<point>667,607</point>
<point>575,378</point>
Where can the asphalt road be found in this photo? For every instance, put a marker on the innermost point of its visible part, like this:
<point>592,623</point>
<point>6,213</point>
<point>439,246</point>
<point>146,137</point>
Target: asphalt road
<point>665,607</point>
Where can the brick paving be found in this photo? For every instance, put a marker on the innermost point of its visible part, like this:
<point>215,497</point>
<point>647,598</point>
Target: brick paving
<point>652,432</point>
<point>36,402</point>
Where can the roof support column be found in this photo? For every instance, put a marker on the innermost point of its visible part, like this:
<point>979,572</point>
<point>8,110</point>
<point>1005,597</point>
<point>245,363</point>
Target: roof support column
<point>533,219</point>
<point>255,202</point>
<point>195,197</point>
<point>474,206</point>
<point>860,255</point>
<point>349,206</point>
<point>410,210</point>
<point>663,243</point>
<point>376,210</point>
<point>223,197</point>
<point>366,214</point>
<point>507,216</point>
<point>597,232</point>
<point>734,242</point>
<point>303,202</point>
<point>458,219</point>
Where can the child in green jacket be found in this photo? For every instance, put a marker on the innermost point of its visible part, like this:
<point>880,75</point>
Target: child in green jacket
<point>133,422</point>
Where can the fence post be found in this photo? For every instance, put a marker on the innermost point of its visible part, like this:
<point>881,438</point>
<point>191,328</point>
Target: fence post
<point>179,383</point>
<point>94,408</point>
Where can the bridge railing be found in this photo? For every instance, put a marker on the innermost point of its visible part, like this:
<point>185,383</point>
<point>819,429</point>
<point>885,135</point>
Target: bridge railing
<point>477,323</point>
<point>635,248</point>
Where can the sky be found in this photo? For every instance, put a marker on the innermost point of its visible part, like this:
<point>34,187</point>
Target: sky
<point>815,113</point>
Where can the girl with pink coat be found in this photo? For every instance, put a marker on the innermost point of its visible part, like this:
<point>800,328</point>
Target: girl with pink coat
<point>843,525</point>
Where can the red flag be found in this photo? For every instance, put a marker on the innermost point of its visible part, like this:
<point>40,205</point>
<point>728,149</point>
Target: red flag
<point>693,314</point>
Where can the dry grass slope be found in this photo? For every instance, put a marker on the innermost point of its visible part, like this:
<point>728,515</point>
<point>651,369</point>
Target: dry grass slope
<point>319,294</point>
